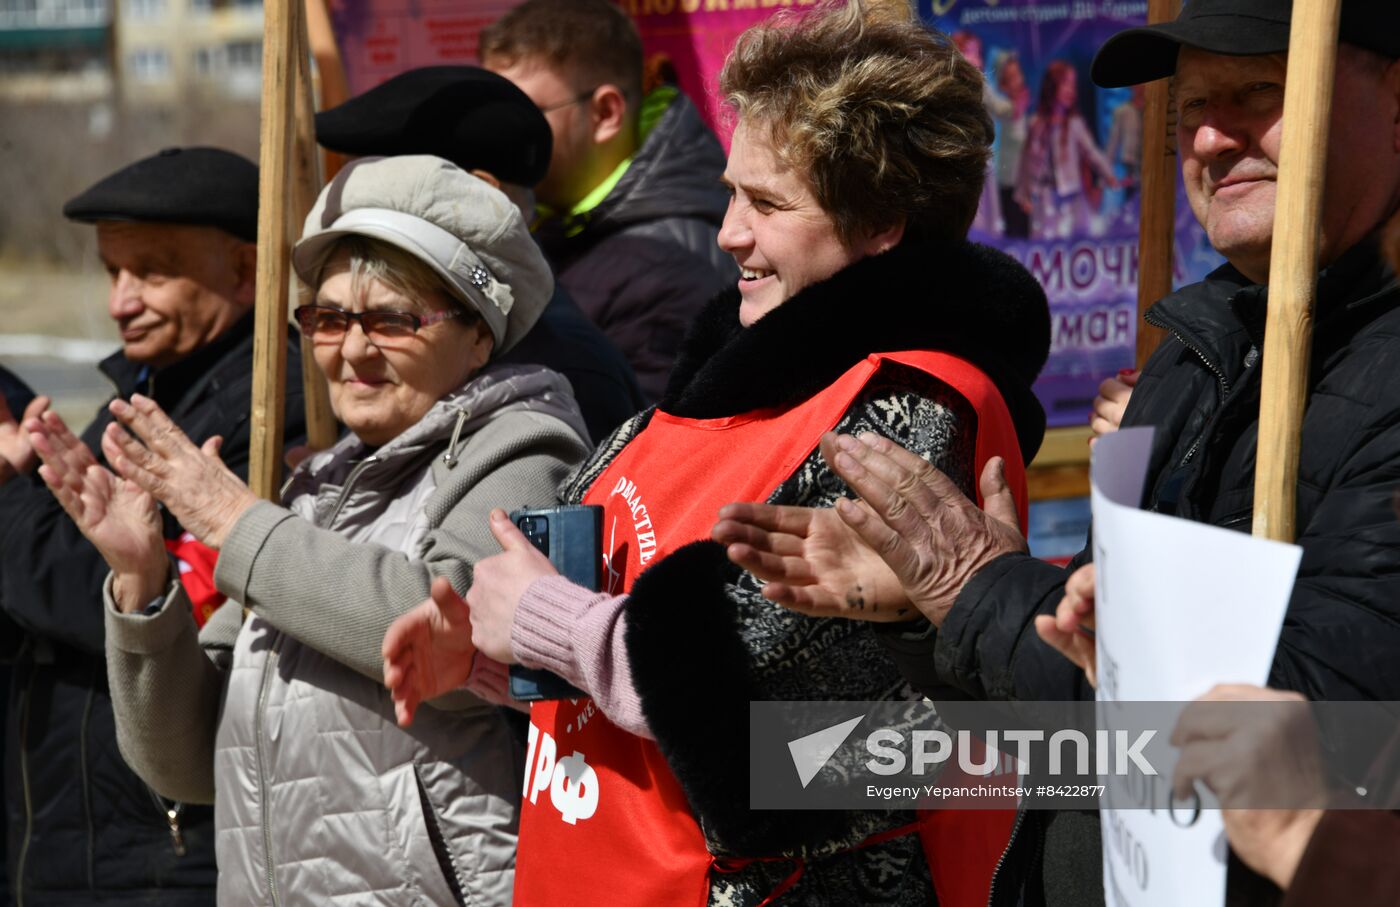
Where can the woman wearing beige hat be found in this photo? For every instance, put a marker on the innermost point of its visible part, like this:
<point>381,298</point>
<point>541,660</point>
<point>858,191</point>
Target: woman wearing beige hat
<point>421,273</point>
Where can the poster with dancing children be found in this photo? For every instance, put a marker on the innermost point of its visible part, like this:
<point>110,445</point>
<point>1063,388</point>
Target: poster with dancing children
<point>1062,184</point>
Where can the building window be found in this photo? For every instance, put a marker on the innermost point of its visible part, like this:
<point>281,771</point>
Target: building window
<point>19,9</point>
<point>244,55</point>
<point>204,61</point>
<point>52,13</point>
<point>144,9</point>
<point>149,64</point>
<point>201,7</point>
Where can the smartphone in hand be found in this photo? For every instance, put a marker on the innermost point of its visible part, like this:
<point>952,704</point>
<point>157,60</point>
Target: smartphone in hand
<point>571,537</point>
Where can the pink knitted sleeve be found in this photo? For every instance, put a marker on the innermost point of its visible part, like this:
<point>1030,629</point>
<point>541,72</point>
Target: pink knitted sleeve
<point>578,634</point>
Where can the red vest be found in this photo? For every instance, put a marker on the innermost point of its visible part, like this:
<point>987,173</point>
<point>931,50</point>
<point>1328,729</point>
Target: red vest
<point>604,822</point>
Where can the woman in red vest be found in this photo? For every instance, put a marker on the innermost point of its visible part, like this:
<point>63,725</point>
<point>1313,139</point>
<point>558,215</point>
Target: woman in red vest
<point>855,170</point>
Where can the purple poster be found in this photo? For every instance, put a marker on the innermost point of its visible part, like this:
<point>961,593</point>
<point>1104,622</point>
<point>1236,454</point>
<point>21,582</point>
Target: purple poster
<point>381,38</point>
<point>1062,188</point>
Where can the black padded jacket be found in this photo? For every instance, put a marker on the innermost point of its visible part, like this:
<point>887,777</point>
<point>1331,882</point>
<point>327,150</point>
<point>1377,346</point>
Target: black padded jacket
<point>82,828</point>
<point>1200,390</point>
<point>17,396</point>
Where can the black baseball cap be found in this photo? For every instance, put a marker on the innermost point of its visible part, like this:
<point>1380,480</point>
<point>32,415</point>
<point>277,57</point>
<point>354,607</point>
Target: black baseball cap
<point>469,116</point>
<point>1238,28</point>
<point>202,186</point>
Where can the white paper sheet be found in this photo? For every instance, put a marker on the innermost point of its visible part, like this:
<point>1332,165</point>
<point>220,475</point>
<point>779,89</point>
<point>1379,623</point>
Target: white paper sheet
<point>1179,607</point>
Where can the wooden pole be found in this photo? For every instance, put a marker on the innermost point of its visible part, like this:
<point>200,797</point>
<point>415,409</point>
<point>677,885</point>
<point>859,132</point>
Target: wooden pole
<point>330,65</point>
<point>321,430</point>
<point>281,32</point>
<point>1307,108</point>
<point>1157,205</point>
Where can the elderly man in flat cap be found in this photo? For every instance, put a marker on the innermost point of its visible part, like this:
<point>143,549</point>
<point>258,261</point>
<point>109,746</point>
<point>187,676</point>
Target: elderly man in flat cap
<point>176,233</point>
<point>484,124</point>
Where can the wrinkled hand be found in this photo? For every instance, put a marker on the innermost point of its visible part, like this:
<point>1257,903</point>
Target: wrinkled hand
<point>811,561</point>
<point>428,651</point>
<point>1111,401</point>
<point>1252,745</point>
<point>1070,630</point>
<point>919,522</point>
<point>16,449</point>
<point>204,496</point>
<point>115,515</point>
<point>498,584</point>
<point>55,443</point>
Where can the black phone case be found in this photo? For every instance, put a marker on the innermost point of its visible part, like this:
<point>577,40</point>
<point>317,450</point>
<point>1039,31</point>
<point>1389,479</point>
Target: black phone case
<point>571,539</point>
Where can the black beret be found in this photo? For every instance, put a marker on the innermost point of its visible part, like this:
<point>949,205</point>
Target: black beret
<point>205,186</point>
<point>473,118</point>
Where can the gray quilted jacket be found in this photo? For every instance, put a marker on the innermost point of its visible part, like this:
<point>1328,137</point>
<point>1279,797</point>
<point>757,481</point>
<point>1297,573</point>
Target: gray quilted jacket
<point>322,798</point>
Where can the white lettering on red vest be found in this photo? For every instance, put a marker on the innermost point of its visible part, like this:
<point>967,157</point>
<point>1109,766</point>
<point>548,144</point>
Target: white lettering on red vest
<point>588,711</point>
<point>641,526</point>
<point>571,781</point>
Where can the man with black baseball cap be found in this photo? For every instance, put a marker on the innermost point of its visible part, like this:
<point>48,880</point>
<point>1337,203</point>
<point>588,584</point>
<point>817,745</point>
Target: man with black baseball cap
<point>1233,28</point>
<point>1201,388</point>
<point>176,232</point>
<point>1227,61</point>
<point>487,126</point>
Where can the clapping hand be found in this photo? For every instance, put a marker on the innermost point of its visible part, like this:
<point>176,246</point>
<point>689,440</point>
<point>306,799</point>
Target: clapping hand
<point>811,562</point>
<point>428,651</point>
<point>203,494</point>
<point>912,518</point>
<point>16,449</point>
<point>118,517</point>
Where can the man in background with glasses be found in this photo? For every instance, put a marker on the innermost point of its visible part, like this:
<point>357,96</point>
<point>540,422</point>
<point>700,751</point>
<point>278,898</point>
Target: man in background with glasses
<point>177,235</point>
<point>631,204</point>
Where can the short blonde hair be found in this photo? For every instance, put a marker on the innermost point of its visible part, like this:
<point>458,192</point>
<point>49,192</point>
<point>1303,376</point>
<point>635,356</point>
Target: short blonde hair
<point>883,115</point>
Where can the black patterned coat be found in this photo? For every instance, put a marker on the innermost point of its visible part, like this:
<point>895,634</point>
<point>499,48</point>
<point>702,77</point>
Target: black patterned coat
<point>740,647</point>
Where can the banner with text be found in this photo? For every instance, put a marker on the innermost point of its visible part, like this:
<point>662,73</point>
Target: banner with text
<point>1062,188</point>
<point>685,41</point>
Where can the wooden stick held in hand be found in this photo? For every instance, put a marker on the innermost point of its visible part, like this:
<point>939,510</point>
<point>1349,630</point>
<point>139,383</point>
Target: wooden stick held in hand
<point>1307,108</point>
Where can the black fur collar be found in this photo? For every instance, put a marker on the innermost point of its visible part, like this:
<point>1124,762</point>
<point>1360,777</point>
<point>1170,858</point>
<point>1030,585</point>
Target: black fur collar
<point>965,299</point>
